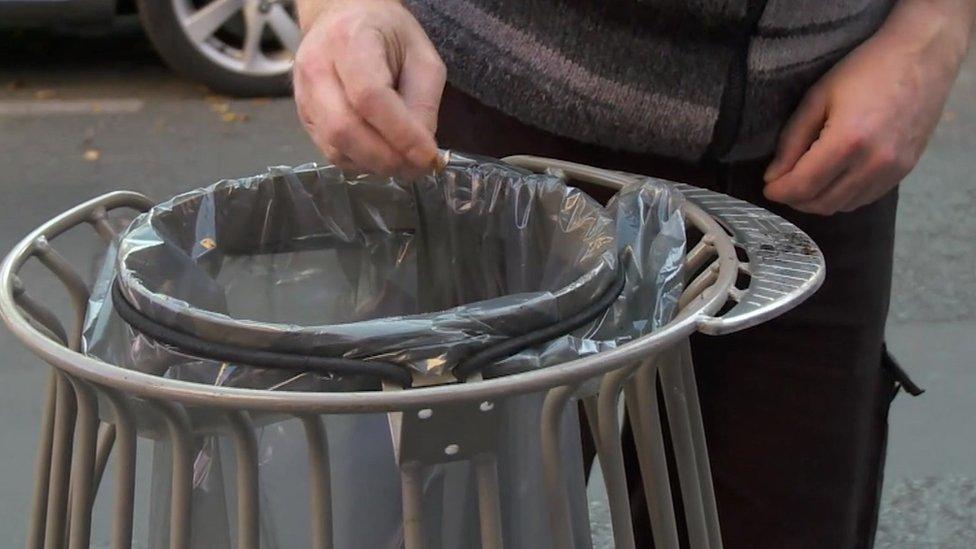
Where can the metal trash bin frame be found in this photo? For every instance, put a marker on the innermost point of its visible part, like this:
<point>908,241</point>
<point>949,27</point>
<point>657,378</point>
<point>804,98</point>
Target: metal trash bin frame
<point>79,431</point>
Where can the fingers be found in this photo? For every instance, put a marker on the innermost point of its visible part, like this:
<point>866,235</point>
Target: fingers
<point>830,155</point>
<point>422,84</point>
<point>800,132</point>
<point>368,84</point>
<point>349,134</point>
<point>340,160</point>
<point>834,197</point>
<point>868,181</point>
<point>367,80</point>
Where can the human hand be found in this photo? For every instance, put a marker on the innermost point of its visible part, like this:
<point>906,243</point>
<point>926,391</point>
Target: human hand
<point>368,86</point>
<point>863,127</point>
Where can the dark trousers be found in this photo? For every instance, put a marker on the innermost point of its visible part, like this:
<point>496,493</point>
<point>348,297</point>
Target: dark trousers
<point>795,410</point>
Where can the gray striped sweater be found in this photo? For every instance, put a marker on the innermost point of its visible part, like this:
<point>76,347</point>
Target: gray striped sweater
<point>688,79</point>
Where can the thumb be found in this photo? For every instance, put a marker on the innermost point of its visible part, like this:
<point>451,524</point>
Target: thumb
<point>800,132</point>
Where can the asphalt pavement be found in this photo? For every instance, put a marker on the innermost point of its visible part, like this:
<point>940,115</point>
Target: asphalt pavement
<point>83,115</point>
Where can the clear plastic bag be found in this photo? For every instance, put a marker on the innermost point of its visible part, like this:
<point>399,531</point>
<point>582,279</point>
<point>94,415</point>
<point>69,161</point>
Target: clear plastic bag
<point>420,275</point>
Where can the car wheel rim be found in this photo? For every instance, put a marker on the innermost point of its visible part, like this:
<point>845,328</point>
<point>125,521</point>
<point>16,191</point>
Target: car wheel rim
<point>249,37</point>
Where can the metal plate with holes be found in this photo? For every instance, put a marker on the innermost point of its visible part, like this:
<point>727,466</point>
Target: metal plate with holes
<point>445,433</point>
<point>785,265</point>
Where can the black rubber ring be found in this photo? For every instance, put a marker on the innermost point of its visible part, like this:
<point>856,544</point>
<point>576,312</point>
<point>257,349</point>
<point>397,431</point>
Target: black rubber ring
<point>485,357</point>
<point>266,359</point>
<point>344,366</point>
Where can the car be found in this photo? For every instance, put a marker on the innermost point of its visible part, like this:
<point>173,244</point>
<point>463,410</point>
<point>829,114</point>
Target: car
<point>235,47</point>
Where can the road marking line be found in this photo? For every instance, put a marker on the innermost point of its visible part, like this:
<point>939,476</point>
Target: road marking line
<point>69,106</point>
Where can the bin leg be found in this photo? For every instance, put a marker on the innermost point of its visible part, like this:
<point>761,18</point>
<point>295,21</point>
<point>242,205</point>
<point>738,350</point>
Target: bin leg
<point>489,504</point>
<point>57,501</point>
<point>710,507</point>
<point>106,439</point>
<point>125,472</point>
<point>645,419</point>
<point>411,481</point>
<point>679,420</point>
<point>557,497</point>
<point>590,407</point>
<point>42,466</point>
<point>181,480</point>
<point>83,466</point>
<point>610,452</point>
<point>320,489</point>
<point>246,450</point>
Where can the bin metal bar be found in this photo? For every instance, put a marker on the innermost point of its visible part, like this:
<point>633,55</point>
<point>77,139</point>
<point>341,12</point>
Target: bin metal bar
<point>82,466</point>
<point>610,452</point>
<point>39,313</point>
<point>709,505</point>
<point>44,331</point>
<point>320,479</point>
<point>57,500</point>
<point>411,481</point>
<point>246,452</point>
<point>99,221</point>
<point>697,286</point>
<point>675,399</point>
<point>489,504</point>
<point>77,289</point>
<point>106,439</point>
<point>125,471</point>
<point>181,482</point>
<point>42,465</point>
<point>698,255</point>
<point>645,420</point>
<point>557,497</point>
<point>78,293</point>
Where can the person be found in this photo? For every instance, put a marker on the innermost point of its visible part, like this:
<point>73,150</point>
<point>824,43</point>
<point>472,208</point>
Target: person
<point>814,109</point>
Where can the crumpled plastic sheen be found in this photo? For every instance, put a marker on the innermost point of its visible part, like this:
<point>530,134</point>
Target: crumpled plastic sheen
<point>420,274</point>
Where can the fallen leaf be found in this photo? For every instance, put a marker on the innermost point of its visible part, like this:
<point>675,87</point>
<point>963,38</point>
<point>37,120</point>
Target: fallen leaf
<point>44,94</point>
<point>215,98</point>
<point>261,100</point>
<point>220,107</point>
<point>235,117</point>
<point>949,116</point>
<point>91,155</point>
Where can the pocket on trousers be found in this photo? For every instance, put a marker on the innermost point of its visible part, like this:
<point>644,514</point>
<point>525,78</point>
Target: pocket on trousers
<point>901,378</point>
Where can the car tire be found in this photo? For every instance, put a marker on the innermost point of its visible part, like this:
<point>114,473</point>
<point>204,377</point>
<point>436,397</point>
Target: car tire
<point>162,24</point>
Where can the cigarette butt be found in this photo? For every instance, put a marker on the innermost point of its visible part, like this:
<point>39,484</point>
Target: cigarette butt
<point>442,159</point>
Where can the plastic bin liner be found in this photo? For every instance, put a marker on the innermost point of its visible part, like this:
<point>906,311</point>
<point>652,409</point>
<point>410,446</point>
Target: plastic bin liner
<point>420,275</point>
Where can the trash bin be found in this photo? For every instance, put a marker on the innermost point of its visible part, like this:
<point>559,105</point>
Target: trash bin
<point>333,362</point>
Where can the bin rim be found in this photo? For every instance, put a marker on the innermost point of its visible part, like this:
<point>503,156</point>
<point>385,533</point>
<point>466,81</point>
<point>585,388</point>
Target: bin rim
<point>696,315</point>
